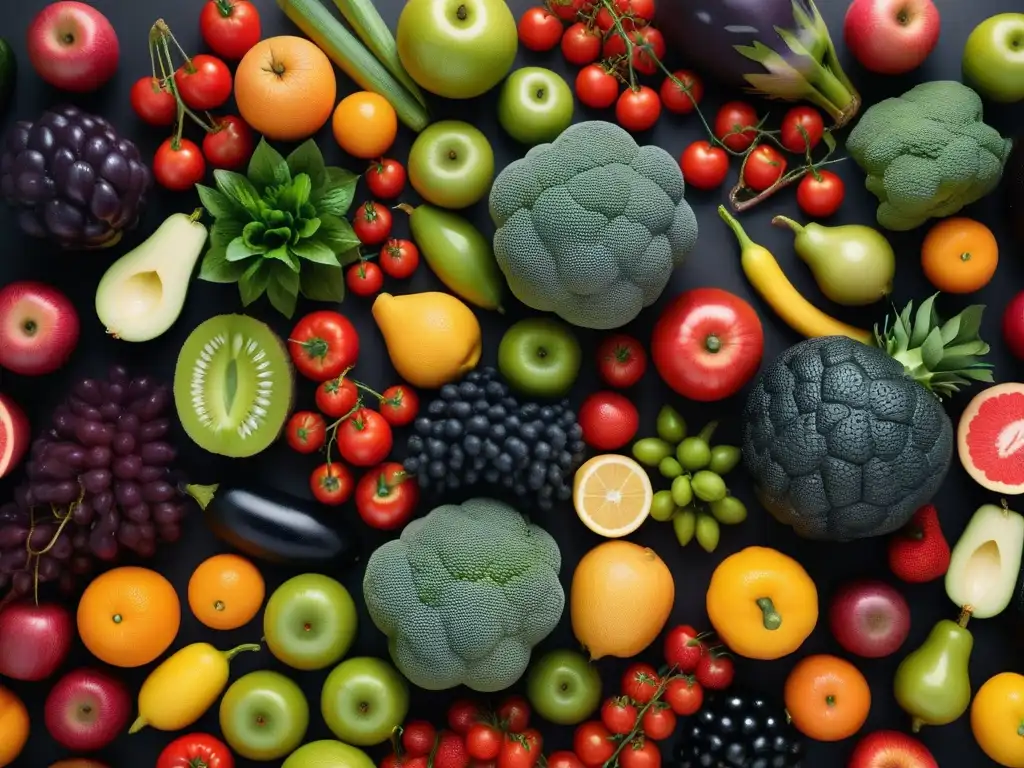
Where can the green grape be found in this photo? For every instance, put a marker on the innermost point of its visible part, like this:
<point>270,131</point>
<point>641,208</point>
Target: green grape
<point>729,510</point>
<point>724,458</point>
<point>708,532</point>
<point>693,453</point>
<point>662,506</point>
<point>671,426</point>
<point>669,468</point>
<point>708,486</point>
<point>682,493</point>
<point>651,450</point>
<point>684,524</point>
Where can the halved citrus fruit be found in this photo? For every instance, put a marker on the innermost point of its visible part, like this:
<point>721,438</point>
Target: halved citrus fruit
<point>612,495</point>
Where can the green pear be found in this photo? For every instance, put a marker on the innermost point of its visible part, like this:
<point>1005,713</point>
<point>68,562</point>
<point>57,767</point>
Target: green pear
<point>985,562</point>
<point>932,684</point>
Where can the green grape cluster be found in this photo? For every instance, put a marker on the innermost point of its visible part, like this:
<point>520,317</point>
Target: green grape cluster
<point>698,501</point>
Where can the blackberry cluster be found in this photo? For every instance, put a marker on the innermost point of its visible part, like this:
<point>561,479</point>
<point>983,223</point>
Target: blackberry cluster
<point>478,433</point>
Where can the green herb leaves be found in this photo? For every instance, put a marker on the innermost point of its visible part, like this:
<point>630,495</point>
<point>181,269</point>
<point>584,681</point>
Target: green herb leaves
<point>280,230</point>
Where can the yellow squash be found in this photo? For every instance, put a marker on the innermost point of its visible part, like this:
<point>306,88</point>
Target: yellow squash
<point>179,691</point>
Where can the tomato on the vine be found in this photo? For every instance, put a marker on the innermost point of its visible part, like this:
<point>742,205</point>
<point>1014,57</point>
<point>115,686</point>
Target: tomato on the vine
<point>518,751</point>
<point>683,648</point>
<point>637,10</point>
<point>715,671</point>
<point>204,82</point>
<point>641,753</point>
<point>231,145</point>
<point>684,695</point>
<point>196,749</point>
<point>331,483</point>
<point>230,27</point>
<point>704,166</point>
<point>730,123</point>
<point>364,278</point>
<point>563,758</point>
<point>372,223</point>
<point>336,397</point>
<point>178,164</point>
<point>596,87</point>
<point>648,51</point>
<point>539,29</point>
<point>593,743</point>
<point>514,713</point>
<point>386,497</point>
<point>386,178</point>
<point>621,360</point>
<point>153,102</point>
<point>483,741</point>
<point>682,100</point>
<point>399,258</point>
<point>619,715</point>
<point>581,44</point>
<point>323,345</point>
<point>364,438</point>
<point>807,118</point>
<point>638,110</point>
<point>399,405</point>
<point>658,722</point>
<point>820,193</point>
<point>306,431</point>
<point>568,10</point>
<point>418,738</point>
<point>763,167</point>
<point>640,682</point>
<point>462,714</point>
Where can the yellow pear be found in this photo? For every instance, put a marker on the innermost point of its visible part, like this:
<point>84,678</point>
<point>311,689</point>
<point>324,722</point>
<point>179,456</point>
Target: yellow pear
<point>432,338</point>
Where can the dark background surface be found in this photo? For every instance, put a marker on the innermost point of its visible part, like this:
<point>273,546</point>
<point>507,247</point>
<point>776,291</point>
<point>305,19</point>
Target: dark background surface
<point>715,262</point>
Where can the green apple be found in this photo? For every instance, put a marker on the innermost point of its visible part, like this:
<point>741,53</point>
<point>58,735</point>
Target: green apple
<point>458,49</point>
<point>310,622</point>
<point>263,716</point>
<point>535,105</point>
<point>540,357</point>
<point>994,58</point>
<point>451,164</point>
<point>328,754</point>
<point>563,687</point>
<point>363,700</point>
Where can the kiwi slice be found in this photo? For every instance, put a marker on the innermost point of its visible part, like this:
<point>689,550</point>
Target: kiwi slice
<point>233,386</point>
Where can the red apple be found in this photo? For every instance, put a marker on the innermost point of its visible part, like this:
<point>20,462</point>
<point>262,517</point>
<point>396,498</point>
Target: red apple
<point>891,37</point>
<point>38,328</point>
<point>72,46</point>
<point>1013,326</point>
<point>87,709</point>
<point>14,437</point>
<point>869,618</point>
<point>34,640</point>
<point>891,749</point>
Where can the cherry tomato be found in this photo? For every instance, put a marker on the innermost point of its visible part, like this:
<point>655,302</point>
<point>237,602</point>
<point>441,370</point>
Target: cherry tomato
<point>592,742</point>
<point>539,29</point>
<point>704,166</point>
<point>399,405</point>
<point>386,178</point>
<point>621,360</point>
<point>581,44</point>
<point>331,483</point>
<point>514,714</point>
<point>364,438</point>
<point>306,431</point>
<point>483,741</point>
<point>516,752</point>
<point>399,258</point>
<point>638,110</point>
<point>230,27</point>
<point>418,738</point>
<point>807,118</point>
<point>596,87</point>
<point>658,722</point>
<point>323,345</point>
<point>196,749</point>
<point>372,223</point>
<point>231,145</point>
<point>639,10</point>
<point>640,753</point>
<point>684,695</point>
<point>564,759</point>
<point>336,397</point>
<point>178,164</point>
<point>153,102</point>
<point>462,714</point>
<point>364,278</point>
<point>683,648</point>
<point>682,100</point>
<point>1013,326</point>
<point>568,10</point>
<point>763,167</point>
<point>715,672</point>
<point>820,193</point>
<point>732,118</point>
<point>640,682</point>
<point>386,497</point>
<point>609,420</point>
<point>204,83</point>
<point>404,761</point>
<point>619,715</point>
<point>605,21</point>
<point>649,50</point>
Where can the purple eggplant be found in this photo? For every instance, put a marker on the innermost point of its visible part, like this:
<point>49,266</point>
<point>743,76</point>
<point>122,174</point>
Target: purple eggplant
<point>780,49</point>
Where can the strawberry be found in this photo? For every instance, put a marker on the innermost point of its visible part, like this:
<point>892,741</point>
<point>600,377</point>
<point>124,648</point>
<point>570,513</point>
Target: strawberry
<point>919,552</point>
<point>451,751</point>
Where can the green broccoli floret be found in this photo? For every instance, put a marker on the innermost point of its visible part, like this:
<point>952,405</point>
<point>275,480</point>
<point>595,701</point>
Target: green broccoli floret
<point>464,594</point>
<point>591,225</point>
<point>927,153</point>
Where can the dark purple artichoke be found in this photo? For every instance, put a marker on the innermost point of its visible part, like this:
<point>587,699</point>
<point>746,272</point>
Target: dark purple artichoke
<point>72,179</point>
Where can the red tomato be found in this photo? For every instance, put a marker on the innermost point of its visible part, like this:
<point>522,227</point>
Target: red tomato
<point>178,164</point>
<point>820,193</point>
<point>483,741</point>
<point>386,497</point>
<point>564,759</point>
<point>323,345</point>
<point>204,82</point>
<point>732,118</point>
<point>619,715</point>
<point>153,102</point>
<point>372,223</point>
<point>715,672</point>
<point>306,431</point>
<point>399,258</point>
<point>763,167</point>
<point>399,404</point>
<point>364,438</point>
<point>596,87</point>
<point>462,714</point>
<point>615,45</point>
<point>704,166</point>
<point>518,751</point>
<point>1013,326</point>
<point>539,29</point>
<point>231,145</point>
<point>707,344</point>
<point>638,110</point>
<point>404,761</point>
<point>621,360</point>
<point>418,738</point>
<point>641,753</point>
<point>641,11</point>
<point>196,749</point>
<point>790,135</point>
<point>336,397</point>
<point>684,695</point>
<point>683,648</point>
<point>514,714</point>
<point>581,44</point>
<point>331,483</point>
<point>230,27</point>
<point>604,19</point>
<point>567,10</point>
<point>659,722</point>
<point>364,278</point>
<point>648,51</point>
<point>684,96</point>
<point>592,742</point>
<point>386,178</point>
<point>640,682</point>
<point>609,420</point>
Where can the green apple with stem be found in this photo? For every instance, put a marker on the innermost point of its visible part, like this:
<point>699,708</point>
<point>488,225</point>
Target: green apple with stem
<point>540,357</point>
<point>310,622</point>
<point>993,62</point>
<point>535,105</point>
<point>263,716</point>
<point>363,700</point>
<point>451,164</point>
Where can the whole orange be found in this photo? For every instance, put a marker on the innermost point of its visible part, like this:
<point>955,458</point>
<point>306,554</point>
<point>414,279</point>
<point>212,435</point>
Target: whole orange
<point>827,698</point>
<point>996,717</point>
<point>13,726</point>
<point>365,125</point>
<point>226,592</point>
<point>959,255</point>
<point>285,88</point>
<point>128,616</point>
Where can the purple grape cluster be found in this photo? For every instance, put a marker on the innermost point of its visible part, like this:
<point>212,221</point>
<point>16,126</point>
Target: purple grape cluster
<point>98,483</point>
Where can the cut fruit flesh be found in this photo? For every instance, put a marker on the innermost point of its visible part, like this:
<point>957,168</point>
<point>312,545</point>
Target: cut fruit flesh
<point>612,495</point>
<point>233,386</point>
<point>990,438</point>
<point>985,563</point>
<point>14,435</point>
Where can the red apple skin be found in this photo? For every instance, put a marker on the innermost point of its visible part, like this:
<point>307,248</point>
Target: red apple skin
<point>72,46</point>
<point>87,709</point>
<point>15,436</point>
<point>891,37</point>
<point>1013,326</point>
<point>34,640</point>
<point>891,749</point>
<point>39,328</point>
<point>869,618</point>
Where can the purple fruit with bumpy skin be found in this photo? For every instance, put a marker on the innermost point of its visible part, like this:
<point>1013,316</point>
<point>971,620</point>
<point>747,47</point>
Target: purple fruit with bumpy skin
<point>869,618</point>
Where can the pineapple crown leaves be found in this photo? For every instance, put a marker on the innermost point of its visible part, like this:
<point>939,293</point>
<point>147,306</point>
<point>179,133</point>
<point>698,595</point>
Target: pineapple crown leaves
<point>941,356</point>
<point>280,228</point>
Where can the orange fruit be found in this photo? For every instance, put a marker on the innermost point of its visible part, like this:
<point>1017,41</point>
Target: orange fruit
<point>226,592</point>
<point>959,255</point>
<point>827,698</point>
<point>128,616</point>
<point>285,88</point>
<point>13,726</point>
<point>612,495</point>
<point>365,125</point>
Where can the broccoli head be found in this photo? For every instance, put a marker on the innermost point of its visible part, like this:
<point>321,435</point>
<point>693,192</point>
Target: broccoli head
<point>927,153</point>
<point>464,594</point>
<point>591,225</point>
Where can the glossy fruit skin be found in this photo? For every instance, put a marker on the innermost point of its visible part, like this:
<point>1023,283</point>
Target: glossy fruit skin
<point>932,684</point>
<point>364,439</point>
<point>683,648</point>
<point>640,682</point>
<point>731,120</point>
<point>451,164</point>
<point>399,405</point>
<point>230,27</point>
<point>39,328</point>
<point>336,397</point>
<point>306,432</point>
<point>684,695</point>
<point>154,104</point>
<point>34,640</point>
<point>483,741</point>
<point>618,714</point>
<point>712,732</point>
<point>386,497</point>
<point>580,44</point>
<point>231,146</point>
<point>820,195</point>
<point>386,178</point>
<point>363,700</point>
<point>205,84</point>
<point>277,699</point>
<point>827,697</point>
<point>764,166</point>
<point>621,360</point>
<point>539,29</point>
<point>520,750</point>
<point>418,738</point>
<point>869,618</point>
<point>332,483</point>
<point>891,37</point>
<point>323,345</point>
<point>462,713</point>
<point>813,126</point>
<point>658,722</point>
<point>704,166</point>
<point>563,687</point>
<point>310,622</point>
<point>73,47</point>
<point>883,748</point>
<point>540,357</point>
<point>991,60</point>
<point>609,420</point>
<point>638,110</point>
<point>178,165</point>
<point>645,755</point>
<point>959,255</point>
<point>1013,326</point>
<point>372,223</point>
<point>109,703</point>
<point>365,124</point>
<point>364,278</point>
<point>996,715</point>
<point>196,750</point>
<point>715,671</point>
<point>535,105</point>
<point>399,258</point>
<point>564,759</point>
<point>595,87</point>
<point>514,713</point>
<point>678,100</point>
<point>592,743</point>
<point>15,721</point>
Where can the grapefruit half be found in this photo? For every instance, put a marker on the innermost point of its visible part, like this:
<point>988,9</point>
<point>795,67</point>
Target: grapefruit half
<point>990,438</point>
